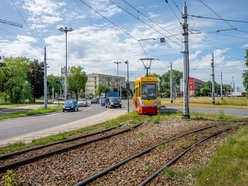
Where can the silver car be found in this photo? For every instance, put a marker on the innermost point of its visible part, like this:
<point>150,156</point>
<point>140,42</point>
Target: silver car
<point>82,103</point>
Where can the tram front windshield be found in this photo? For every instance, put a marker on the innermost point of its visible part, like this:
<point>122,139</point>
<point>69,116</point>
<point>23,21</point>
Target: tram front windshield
<point>148,90</point>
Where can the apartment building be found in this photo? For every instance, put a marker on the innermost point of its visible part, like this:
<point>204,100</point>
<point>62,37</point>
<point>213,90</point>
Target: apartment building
<point>94,80</point>
<point>194,86</point>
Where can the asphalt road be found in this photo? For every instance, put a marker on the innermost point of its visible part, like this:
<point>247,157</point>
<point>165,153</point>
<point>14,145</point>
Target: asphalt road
<point>19,126</point>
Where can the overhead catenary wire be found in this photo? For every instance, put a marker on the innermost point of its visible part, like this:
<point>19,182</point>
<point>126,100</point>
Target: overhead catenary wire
<point>154,22</point>
<point>122,29</point>
<point>216,14</point>
<point>177,7</point>
<point>167,2</point>
<point>168,37</point>
<point>19,12</point>
<point>220,19</point>
<point>35,28</point>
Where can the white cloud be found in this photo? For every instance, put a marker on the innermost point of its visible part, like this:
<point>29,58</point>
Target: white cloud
<point>43,12</point>
<point>105,7</point>
<point>245,46</point>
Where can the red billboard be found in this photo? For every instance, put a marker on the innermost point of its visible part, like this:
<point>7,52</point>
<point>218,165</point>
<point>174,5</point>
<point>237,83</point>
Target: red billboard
<point>191,83</point>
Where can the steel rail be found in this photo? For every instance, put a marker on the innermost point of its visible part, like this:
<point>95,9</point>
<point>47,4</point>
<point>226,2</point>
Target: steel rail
<point>5,156</point>
<point>111,168</point>
<point>173,160</point>
<point>65,149</point>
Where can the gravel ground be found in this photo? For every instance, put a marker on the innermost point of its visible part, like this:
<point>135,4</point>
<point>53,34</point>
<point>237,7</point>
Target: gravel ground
<point>56,147</point>
<point>72,166</point>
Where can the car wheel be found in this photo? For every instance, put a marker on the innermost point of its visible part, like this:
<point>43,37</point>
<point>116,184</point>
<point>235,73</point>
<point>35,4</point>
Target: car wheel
<point>63,110</point>
<point>77,109</point>
<point>120,106</point>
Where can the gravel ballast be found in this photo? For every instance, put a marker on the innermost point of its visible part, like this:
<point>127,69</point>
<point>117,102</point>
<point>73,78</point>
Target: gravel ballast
<point>70,167</point>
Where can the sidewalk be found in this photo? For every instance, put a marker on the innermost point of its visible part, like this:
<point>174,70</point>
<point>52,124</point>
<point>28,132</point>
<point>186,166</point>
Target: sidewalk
<point>89,121</point>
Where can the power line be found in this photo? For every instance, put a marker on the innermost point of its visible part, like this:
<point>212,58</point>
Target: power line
<point>217,14</point>
<point>220,19</point>
<point>108,20</point>
<point>149,20</point>
<point>177,7</point>
<point>173,11</point>
<point>26,22</point>
<point>10,23</point>
<point>35,28</point>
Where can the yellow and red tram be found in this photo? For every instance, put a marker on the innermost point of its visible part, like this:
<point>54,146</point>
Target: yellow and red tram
<point>146,95</point>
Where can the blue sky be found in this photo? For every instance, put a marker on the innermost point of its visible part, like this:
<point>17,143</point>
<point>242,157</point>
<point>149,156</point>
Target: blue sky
<point>95,44</point>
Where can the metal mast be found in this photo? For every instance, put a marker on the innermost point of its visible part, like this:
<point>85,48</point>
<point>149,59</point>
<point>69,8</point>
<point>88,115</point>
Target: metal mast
<point>65,30</point>
<point>45,78</point>
<point>171,97</point>
<point>185,64</point>
<point>117,63</point>
<point>213,86</point>
<point>127,85</point>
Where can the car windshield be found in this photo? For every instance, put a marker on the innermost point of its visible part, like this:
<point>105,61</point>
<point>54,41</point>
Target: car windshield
<point>114,99</point>
<point>148,90</point>
<point>70,102</point>
<point>82,100</point>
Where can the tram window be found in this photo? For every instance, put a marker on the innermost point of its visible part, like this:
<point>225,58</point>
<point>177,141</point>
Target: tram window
<point>148,90</point>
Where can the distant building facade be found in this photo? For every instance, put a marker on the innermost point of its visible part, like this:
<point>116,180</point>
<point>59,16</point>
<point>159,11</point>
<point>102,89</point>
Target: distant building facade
<point>195,86</point>
<point>94,80</point>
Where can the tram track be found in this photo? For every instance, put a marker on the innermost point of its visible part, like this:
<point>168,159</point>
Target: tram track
<point>98,176</point>
<point>14,163</point>
<point>80,163</point>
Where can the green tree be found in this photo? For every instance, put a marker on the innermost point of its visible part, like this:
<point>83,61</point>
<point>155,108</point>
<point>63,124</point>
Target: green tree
<point>36,79</point>
<point>16,70</point>
<point>205,91</point>
<point>102,89</point>
<point>77,79</point>
<point>54,82</point>
<point>245,74</point>
<point>165,80</point>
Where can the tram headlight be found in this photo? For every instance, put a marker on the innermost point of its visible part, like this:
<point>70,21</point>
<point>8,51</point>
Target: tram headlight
<point>155,102</point>
<point>141,102</point>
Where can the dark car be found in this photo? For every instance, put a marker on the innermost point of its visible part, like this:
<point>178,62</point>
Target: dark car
<point>70,105</point>
<point>103,101</point>
<point>95,101</point>
<point>112,102</point>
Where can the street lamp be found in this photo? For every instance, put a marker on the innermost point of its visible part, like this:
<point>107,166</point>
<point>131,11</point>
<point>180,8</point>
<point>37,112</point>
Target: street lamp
<point>65,30</point>
<point>118,62</point>
<point>127,85</point>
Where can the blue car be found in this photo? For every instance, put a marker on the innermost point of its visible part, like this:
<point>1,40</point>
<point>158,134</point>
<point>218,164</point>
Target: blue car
<point>70,105</point>
<point>102,102</point>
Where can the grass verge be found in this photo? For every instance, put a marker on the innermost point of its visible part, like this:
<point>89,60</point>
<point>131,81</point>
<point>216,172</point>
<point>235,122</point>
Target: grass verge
<point>229,164</point>
<point>227,102</point>
<point>61,136</point>
<point>30,112</point>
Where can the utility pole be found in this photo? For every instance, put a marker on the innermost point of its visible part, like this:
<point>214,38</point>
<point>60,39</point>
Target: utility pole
<point>185,63</point>
<point>171,98</point>
<point>45,78</point>
<point>127,85</point>
<point>118,62</point>
<point>221,88</point>
<point>233,85</point>
<point>213,87</point>
<point>65,30</point>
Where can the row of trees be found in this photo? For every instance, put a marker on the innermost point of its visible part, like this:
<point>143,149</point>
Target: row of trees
<point>22,80</point>
<point>177,75</point>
